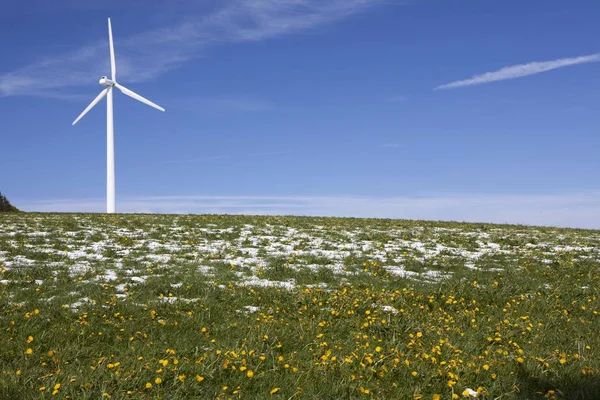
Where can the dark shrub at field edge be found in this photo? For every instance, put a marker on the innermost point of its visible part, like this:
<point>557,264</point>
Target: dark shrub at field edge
<point>5,205</point>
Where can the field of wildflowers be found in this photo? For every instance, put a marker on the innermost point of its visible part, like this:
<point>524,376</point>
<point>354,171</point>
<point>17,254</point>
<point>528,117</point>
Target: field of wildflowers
<point>164,306</point>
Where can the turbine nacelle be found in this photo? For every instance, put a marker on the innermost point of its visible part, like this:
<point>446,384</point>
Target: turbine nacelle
<point>104,81</point>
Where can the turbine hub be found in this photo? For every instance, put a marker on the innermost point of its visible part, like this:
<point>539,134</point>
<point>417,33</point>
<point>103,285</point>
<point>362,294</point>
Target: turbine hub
<point>104,81</point>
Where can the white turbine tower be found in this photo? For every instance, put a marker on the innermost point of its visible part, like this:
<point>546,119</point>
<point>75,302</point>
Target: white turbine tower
<point>109,84</point>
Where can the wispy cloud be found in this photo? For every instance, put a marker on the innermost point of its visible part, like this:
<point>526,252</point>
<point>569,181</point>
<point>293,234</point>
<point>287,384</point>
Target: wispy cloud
<point>147,55</point>
<point>521,70</point>
<point>390,145</point>
<point>580,210</point>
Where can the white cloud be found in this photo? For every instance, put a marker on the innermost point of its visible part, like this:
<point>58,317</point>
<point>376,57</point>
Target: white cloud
<point>521,70</point>
<point>148,55</point>
<point>566,210</point>
<point>390,145</point>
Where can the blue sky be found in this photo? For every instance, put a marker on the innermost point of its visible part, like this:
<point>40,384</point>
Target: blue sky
<point>456,110</point>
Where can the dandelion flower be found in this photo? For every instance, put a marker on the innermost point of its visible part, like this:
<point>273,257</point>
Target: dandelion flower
<point>274,390</point>
<point>199,378</point>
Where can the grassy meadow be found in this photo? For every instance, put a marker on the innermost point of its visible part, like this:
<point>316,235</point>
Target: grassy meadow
<point>216,307</point>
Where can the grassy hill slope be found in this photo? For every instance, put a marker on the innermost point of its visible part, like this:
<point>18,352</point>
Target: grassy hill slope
<point>174,306</point>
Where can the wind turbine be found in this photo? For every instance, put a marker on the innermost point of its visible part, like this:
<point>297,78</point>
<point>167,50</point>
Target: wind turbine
<point>109,85</point>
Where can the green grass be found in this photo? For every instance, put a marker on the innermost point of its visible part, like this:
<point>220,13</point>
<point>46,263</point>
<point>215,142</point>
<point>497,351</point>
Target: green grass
<point>163,306</point>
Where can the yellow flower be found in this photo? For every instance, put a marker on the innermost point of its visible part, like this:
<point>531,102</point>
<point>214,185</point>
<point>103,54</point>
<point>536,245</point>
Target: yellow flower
<point>28,351</point>
<point>520,360</point>
<point>436,397</point>
<point>158,381</point>
<point>57,386</point>
<point>199,378</point>
<point>378,349</point>
<point>148,385</point>
<point>181,378</point>
<point>419,334</point>
<point>414,373</point>
<point>29,339</point>
<point>417,396</point>
<point>250,374</point>
<point>486,367</point>
<point>274,390</point>
<point>562,361</point>
<point>42,388</point>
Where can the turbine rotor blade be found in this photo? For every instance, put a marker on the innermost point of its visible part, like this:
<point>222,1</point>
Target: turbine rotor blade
<point>113,64</point>
<point>136,96</point>
<point>92,104</point>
